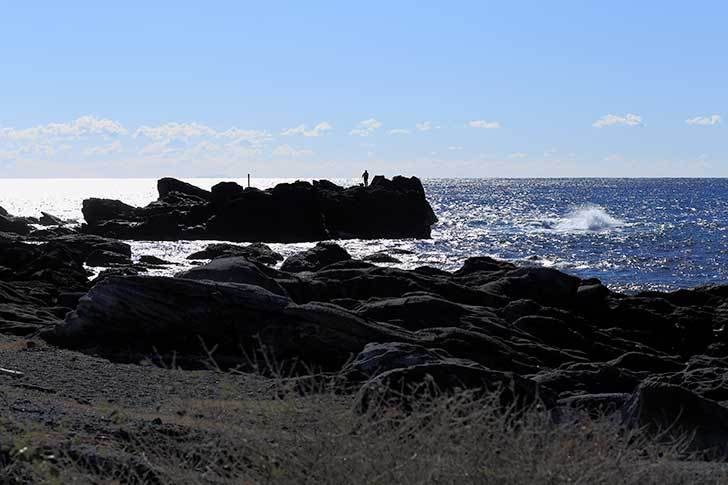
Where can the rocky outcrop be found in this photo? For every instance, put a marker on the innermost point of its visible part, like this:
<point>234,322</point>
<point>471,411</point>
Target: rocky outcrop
<point>526,333</point>
<point>674,413</point>
<point>291,212</point>
<point>233,270</point>
<point>136,315</point>
<point>256,252</point>
<point>319,256</point>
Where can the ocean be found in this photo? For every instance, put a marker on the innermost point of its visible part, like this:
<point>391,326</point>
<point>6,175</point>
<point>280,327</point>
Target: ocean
<point>633,234</point>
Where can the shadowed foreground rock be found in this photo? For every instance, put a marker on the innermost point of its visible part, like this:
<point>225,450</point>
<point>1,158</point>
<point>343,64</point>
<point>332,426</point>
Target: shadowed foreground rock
<point>290,212</point>
<point>538,335</point>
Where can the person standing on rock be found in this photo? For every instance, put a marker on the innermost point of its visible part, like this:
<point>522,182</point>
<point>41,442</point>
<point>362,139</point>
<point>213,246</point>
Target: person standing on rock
<point>365,176</point>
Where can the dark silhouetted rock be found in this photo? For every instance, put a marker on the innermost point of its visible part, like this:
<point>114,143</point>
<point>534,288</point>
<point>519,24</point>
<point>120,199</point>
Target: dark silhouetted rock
<point>47,219</point>
<point>101,257</point>
<point>100,210</point>
<point>15,225</point>
<point>381,258</point>
<point>233,270</point>
<point>587,378</point>
<point>671,412</point>
<point>316,258</point>
<point>167,185</point>
<point>153,260</point>
<point>129,316</point>
<point>256,252</point>
<point>289,212</point>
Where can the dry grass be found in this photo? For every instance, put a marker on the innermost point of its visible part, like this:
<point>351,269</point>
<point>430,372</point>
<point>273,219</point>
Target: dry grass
<point>287,437</point>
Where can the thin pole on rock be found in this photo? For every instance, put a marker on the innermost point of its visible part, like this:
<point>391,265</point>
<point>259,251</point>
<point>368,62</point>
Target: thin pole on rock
<point>248,180</point>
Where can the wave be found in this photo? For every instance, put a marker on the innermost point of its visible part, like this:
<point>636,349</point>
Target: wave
<point>591,218</point>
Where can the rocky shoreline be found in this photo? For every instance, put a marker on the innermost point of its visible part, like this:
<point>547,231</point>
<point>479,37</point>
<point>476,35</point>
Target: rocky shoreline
<point>286,213</point>
<point>537,335</point>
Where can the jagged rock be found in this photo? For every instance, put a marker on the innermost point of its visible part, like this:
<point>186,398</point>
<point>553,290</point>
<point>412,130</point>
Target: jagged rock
<point>671,412</point>
<point>22,313</point>
<point>47,219</point>
<point>129,316</point>
<point>647,363</point>
<point>483,263</point>
<point>544,285</point>
<point>316,258</point>
<point>587,378</point>
<point>391,209</point>
<point>167,185</point>
<point>709,382</point>
<point>153,260</point>
<point>256,252</point>
<point>290,212</point>
<point>233,270</point>
<point>15,225</point>
<point>377,358</point>
<point>99,257</point>
<point>52,232</point>
<point>99,210</point>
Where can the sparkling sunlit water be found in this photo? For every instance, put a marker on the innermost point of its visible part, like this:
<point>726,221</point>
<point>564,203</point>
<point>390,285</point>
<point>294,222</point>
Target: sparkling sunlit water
<point>631,233</point>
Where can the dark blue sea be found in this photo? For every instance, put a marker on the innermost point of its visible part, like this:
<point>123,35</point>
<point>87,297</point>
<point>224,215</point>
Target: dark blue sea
<point>633,234</point>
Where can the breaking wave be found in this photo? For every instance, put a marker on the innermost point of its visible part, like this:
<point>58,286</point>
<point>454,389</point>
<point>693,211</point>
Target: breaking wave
<point>588,218</point>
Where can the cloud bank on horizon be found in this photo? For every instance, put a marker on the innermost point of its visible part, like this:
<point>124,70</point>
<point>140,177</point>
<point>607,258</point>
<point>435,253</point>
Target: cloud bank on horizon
<point>468,90</point>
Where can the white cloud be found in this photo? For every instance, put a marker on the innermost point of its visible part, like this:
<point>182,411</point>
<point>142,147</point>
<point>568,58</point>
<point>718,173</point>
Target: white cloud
<point>366,127</point>
<point>85,125</point>
<point>399,131</point>
<point>185,131</point>
<point>455,148</point>
<point>287,151</point>
<point>424,126</point>
<point>113,147</point>
<point>611,120</point>
<point>317,130</point>
<point>518,155</point>
<point>711,120</point>
<point>487,125</point>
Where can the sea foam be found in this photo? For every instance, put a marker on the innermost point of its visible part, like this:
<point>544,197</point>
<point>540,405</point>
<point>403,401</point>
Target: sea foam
<point>588,218</point>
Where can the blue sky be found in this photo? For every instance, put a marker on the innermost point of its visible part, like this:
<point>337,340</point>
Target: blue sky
<point>315,89</point>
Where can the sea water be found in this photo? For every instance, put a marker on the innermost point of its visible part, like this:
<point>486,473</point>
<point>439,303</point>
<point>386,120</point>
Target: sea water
<point>633,234</point>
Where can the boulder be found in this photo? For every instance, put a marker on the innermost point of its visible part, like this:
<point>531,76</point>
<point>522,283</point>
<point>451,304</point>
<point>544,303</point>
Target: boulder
<point>128,317</point>
<point>153,260</point>
<point>544,285</point>
<point>167,185</point>
<point>100,210</point>
<point>15,225</point>
<point>587,378</point>
<point>316,258</point>
<point>47,219</point>
<point>377,358</point>
<point>233,270</point>
<point>673,413</point>
<point>256,252</point>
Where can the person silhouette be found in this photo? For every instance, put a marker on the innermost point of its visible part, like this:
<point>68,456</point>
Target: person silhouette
<point>365,176</point>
